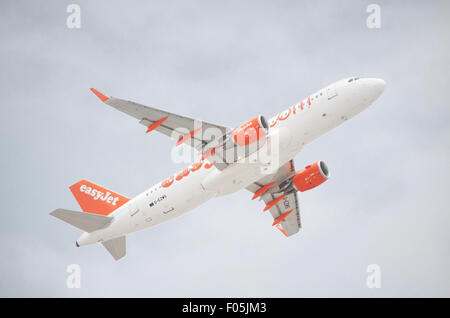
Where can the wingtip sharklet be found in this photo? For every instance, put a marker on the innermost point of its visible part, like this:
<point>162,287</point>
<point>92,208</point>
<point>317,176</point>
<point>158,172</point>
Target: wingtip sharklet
<point>102,97</point>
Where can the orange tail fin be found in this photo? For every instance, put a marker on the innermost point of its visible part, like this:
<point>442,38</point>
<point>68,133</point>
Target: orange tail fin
<point>96,199</point>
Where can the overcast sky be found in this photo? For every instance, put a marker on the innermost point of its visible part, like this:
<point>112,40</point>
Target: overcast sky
<point>386,203</point>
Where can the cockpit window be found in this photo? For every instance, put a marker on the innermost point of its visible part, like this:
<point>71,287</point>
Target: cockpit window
<point>353,79</point>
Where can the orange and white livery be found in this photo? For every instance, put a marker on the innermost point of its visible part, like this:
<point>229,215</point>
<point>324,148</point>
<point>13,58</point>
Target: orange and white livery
<point>256,156</point>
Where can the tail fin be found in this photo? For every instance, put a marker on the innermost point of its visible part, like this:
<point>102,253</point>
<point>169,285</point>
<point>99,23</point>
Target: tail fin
<point>95,199</point>
<point>84,221</point>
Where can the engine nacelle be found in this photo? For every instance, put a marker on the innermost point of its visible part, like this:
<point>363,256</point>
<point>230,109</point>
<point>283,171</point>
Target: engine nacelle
<point>240,143</point>
<point>250,132</point>
<point>310,177</point>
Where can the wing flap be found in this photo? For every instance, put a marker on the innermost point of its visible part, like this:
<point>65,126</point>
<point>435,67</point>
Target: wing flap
<point>291,224</point>
<point>280,198</point>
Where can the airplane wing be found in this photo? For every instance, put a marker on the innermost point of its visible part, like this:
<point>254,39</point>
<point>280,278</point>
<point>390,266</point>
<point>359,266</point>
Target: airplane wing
<point>280,197</point>
<point>184,129</point>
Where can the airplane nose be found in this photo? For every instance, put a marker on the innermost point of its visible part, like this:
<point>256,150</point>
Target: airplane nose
<point>375,87</point>
<point>379,85</point>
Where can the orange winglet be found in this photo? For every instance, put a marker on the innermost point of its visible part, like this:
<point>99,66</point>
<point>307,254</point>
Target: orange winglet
<point>188,136</point>
<point>156,124</point>
<point>263,190</point>
<point>281,217</point>
<point>102,97</point>
<point>273,202</point>
<point>281,229</point>
<point>209,153</point>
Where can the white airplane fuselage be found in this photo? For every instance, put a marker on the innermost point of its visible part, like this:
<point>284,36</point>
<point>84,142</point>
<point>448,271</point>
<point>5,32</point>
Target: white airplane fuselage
<point>296,126</point>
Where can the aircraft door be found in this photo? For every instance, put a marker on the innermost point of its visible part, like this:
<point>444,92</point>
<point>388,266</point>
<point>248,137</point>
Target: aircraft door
<point>133,209</point>
<point>331,91</point>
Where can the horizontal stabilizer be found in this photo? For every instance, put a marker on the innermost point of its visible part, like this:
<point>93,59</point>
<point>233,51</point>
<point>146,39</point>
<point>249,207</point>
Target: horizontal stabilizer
<point>116,247</point>
<point>87,222</point>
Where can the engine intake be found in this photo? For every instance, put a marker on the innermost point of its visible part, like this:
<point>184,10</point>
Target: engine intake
<point>311,177</point>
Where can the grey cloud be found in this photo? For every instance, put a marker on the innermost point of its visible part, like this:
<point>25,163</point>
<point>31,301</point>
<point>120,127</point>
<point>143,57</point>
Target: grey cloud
<point>386,202</point>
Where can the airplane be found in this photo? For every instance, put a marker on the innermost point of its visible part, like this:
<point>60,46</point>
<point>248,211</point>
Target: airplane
<point>256,156</point>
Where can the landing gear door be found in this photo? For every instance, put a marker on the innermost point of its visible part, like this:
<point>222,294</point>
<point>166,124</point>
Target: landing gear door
<point>331,91</point>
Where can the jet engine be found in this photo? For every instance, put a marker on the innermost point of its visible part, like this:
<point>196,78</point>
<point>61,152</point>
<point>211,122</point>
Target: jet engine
<point>310,177</point>
<point>239,143</point>
<point>251,131</point>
